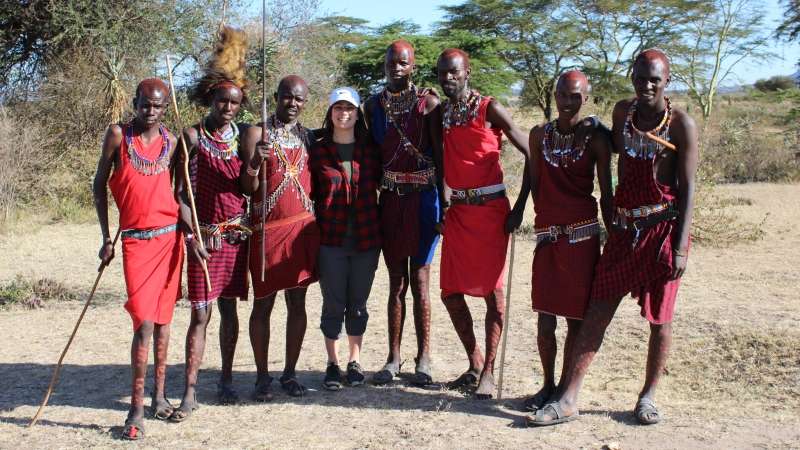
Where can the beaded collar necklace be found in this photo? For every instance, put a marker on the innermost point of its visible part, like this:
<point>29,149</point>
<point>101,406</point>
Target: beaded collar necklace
<point>559,149</point>
<point>283,138</point>
<point>638,145</point>
<point>462,111</point>
<point>142,164</point>
<point>398,104</point>
<point>224,145</point>
<point>286,136</point>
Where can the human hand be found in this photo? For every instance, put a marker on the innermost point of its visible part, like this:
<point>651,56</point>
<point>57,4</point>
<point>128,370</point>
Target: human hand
<point>198,253</point>
<point>513,221</point>
<point>679,261</point>
<point>106,253</point>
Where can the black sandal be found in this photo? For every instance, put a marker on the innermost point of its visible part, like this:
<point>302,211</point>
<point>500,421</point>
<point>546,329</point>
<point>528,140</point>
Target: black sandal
<point>263,391</point>
<point>185,411</point>
<point>133,429</point>
<point>161,411</point>
<point>292,386</point>
<point>466,381</point>
<point>226,395</point>
<point>422,374</point>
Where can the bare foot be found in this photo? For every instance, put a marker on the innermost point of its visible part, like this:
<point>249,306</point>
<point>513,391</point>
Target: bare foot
<point>486,387</point>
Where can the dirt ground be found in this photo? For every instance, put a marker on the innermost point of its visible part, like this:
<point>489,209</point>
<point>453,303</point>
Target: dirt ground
<point>733,378</point>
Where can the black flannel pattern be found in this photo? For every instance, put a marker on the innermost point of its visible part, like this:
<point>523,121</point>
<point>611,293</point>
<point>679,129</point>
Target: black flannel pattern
<point>333,197</point>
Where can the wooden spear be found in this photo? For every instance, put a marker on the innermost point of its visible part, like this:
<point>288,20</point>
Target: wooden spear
<point>57,371</point>
<point>263,182</point>
<point>186,180</point>
<point>507,323</point>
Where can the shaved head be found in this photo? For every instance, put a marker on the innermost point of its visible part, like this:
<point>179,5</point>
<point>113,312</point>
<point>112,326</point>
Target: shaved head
<point>452,53</point>
<point>289,82</point>
<point>574,77</point>
<point>151,85</point>
<point>398,47</point>
<point>652,55</point>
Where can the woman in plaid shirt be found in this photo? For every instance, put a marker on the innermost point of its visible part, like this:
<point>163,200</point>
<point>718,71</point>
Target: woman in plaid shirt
<point>346,169</point>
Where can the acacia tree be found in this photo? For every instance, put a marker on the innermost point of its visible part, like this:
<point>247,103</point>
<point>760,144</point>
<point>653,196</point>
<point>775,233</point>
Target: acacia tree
<point>717,39</point>
<point>535,38</point>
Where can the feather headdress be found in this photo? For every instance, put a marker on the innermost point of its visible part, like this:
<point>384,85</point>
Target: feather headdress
<point>227,64</point>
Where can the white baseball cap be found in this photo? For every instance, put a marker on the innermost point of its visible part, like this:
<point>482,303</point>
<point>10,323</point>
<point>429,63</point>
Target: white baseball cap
<point>346,94</point>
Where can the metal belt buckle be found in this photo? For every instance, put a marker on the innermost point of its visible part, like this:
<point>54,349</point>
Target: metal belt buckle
<point>473,196</point>
<point>552,233</point>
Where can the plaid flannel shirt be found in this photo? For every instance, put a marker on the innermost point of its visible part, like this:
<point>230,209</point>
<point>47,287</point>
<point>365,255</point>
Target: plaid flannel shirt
<point>334,197</point>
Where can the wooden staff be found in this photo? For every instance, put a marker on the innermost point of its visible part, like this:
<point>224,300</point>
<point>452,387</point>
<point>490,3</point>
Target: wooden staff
<point>663,142</point>
<point>57,371</point>
<point>186,180</point>
<point>508,317</point>
<point>263,182</point>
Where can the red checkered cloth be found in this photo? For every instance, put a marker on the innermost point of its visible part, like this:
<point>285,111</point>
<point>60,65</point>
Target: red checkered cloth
<point>334,197</point>
<point>217,197</point>
<point>643,270</point>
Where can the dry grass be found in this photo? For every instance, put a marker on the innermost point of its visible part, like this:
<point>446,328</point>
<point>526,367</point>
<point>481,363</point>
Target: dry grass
<point>732,378</point>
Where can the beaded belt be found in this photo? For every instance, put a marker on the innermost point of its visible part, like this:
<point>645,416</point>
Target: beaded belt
<point>146,235</point>
<point>576,232</point>
<point>233,231</point>
<point>478,196</point>
<point>643,217</point>
<point>407,182</point>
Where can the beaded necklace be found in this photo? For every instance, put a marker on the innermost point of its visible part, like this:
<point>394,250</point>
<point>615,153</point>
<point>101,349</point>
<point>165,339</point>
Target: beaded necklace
<point>559,149</point>
<point>142,164</point>
<point>223,145</point>
<point>282,138</point>
<point>638,145</point>
<point>462,111</point>
<point>398,104</point>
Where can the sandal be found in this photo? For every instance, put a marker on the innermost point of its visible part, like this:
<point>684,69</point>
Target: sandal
<point>263,391</point>
<point>226,395</point>
<point>466,381</point>
<point>133,429</point>
<point>292,386</point>
<point>161,410</point>
<point>646,412</point>
<point>387,374</point>
<point>185,411</point>
<point>554,413</point>
<point>422,373</point>
<point>538,400</point>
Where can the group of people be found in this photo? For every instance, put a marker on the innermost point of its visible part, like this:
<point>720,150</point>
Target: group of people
<point>281,206</point>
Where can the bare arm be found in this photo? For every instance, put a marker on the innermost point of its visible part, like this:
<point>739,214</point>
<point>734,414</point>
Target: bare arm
<point>433,127</point>
<point>252,155</point>
<point>497,115</point>
<point>684,134</point>
<point>108,157</point>
<point>600,145</point>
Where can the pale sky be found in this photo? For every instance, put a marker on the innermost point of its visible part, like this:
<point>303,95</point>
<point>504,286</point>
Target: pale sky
<point>426,12</point>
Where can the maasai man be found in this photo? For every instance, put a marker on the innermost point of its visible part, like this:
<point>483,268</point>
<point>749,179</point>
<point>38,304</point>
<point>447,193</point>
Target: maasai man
<point>292,235</point>
<point>214,167</point>
<point>400,122</point>
<point>140,153</point>
<point>564,155</point>
<point>647,249</point>
<point>475,240</point>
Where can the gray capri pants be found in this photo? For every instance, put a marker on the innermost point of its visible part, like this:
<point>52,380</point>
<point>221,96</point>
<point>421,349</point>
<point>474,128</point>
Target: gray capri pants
<point>345,277</point>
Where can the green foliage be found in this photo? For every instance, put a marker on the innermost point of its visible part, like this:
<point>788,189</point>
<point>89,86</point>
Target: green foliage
<point>790,27</point>
<point>776,83</point>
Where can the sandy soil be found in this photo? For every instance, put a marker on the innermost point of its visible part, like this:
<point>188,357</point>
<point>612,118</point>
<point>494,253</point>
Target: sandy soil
<point>733,380</point>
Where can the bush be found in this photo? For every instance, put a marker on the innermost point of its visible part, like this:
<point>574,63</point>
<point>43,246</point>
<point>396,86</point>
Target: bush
<point>32,294</point>
<point>776,83</point>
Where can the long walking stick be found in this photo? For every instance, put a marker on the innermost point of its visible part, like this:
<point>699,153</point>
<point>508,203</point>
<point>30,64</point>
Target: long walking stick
<point>508,317</point>
<point>187,183</point>
<point>263,183</point>
<point>57,371</point>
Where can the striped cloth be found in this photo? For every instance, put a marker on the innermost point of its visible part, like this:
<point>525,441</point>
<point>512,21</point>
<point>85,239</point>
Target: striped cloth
<point>643,270</point>
<point>217,198</point>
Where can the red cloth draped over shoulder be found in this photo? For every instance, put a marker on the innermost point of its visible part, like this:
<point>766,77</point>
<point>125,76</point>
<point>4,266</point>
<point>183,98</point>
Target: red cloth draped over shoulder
<point>475,241</point>
<point>643,270</point>
<point>563,272</point>
<point>292,235</point>
<point>152,267</point>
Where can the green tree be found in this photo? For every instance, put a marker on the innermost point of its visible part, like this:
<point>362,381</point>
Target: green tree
<point>717,40</point>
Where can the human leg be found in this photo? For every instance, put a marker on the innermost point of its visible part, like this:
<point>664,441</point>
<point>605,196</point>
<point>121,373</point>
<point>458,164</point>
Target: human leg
<point>547,346</point>
<point>296,322</point>
<point>657,353</point>
<point>361,273</point>
<point>228,336</point>
<point>140,349</point>
<point>333,269</point>
<point>420,278</point>
<point>495,315</point>
<point>194,350</point>
<point>461,318</point>
<point>259,340</point>
<point>396,312</point>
